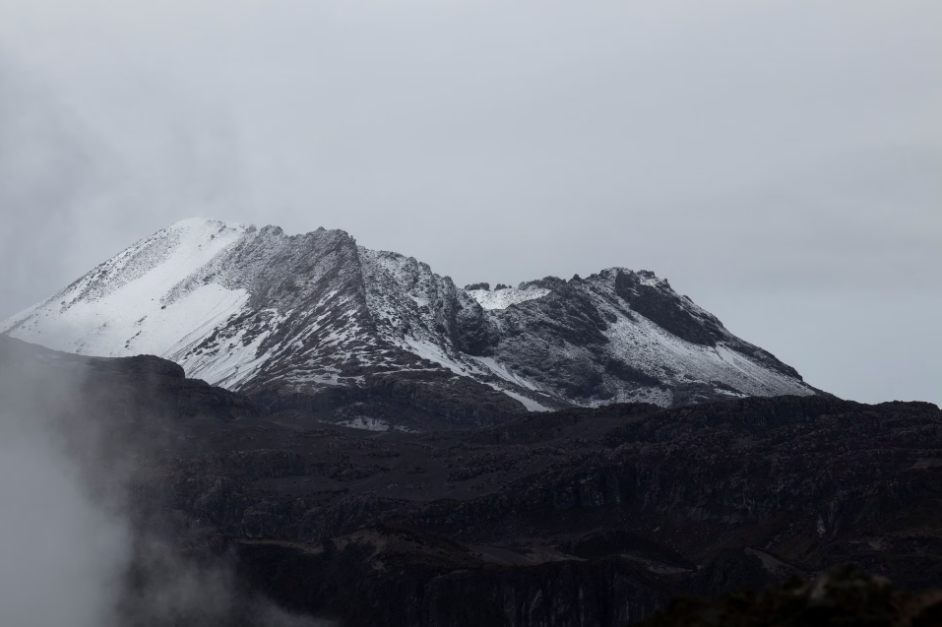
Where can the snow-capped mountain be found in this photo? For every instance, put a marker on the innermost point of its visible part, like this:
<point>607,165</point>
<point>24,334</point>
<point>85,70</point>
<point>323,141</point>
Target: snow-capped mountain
<point>316,324</point>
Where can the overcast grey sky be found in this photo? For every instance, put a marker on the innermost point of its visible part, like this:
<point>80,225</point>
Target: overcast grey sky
<point>779,161</point>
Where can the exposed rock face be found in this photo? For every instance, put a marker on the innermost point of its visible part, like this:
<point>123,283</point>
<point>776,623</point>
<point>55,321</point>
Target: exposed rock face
<point>315,322</point>
<point>391,577</point>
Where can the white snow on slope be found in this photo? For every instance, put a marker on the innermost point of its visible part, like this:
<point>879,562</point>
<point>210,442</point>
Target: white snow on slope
<point>119,309</point>
<point>529,403</point>
<point>653,348</point>
<point>432,352</point>
<point>492,366</point>
<point>504,298</point>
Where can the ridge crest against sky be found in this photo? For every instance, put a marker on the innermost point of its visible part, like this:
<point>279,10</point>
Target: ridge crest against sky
<point>261,312</point>
<point>779,162</point>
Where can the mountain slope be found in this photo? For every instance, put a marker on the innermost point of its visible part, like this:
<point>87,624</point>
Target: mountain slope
<point>314,323</point>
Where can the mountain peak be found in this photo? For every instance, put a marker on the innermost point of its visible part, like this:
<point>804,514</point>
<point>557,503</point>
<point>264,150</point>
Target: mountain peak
<point>316,321</point>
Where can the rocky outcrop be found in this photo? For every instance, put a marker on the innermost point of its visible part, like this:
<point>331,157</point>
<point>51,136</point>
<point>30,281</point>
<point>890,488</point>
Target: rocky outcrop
<point>389,577</point>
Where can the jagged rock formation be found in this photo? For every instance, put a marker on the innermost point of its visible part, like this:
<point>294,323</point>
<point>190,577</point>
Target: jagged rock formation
<point>316,325</point>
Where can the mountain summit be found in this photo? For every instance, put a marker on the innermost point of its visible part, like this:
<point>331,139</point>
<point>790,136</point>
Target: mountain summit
<point>316,325</point>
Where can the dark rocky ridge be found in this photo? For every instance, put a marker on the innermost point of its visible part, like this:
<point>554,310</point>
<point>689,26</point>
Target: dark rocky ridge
<point>580,517</point>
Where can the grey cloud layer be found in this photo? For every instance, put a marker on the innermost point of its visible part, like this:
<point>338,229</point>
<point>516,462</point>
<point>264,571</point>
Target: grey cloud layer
<point>764,157</point>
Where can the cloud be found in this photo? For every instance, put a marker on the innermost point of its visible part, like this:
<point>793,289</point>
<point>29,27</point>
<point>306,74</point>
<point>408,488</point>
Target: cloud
<point>74,549</point>
<point>62,556</point>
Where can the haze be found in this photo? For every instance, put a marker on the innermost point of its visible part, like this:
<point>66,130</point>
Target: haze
<point>779,162</point>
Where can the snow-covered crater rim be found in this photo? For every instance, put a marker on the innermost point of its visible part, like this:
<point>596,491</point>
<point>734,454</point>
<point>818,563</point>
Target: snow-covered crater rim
<point>503,298</point>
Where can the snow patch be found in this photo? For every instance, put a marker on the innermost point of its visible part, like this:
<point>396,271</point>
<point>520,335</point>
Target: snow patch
<point>529,403</point>
<point>372,424</point>
<point>504,298</point>
<point>432,352</point>
<point>368,424</point>
<point>490,364</point>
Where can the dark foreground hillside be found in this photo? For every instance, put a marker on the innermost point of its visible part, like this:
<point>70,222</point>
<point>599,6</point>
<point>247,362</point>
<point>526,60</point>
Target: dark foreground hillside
<point>581,517</point>
<point>841,596</point>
